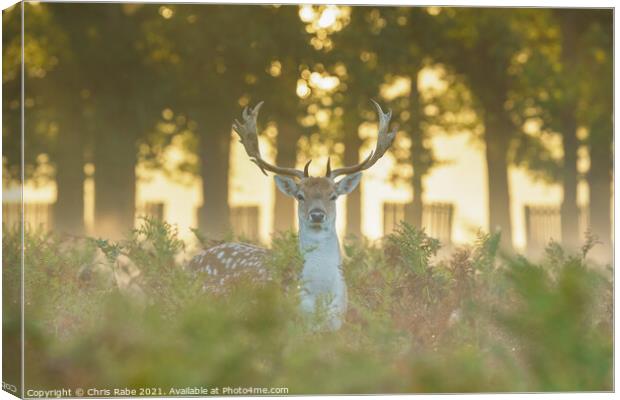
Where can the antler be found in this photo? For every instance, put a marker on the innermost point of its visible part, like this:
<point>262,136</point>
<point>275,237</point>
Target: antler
<point>249,138</point>
<point>384,141</point>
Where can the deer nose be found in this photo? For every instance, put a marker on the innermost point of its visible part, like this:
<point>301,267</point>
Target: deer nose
<point>317,216</point>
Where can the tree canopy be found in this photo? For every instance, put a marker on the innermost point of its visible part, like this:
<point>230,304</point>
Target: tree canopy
<point>113,85</point>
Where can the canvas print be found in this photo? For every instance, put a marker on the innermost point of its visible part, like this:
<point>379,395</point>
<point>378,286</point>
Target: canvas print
<point>228,199</point>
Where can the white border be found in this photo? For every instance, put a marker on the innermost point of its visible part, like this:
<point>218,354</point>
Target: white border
<point>471,3</point>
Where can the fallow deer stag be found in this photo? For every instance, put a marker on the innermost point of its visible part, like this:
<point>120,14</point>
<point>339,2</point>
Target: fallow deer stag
<point>322,278</point>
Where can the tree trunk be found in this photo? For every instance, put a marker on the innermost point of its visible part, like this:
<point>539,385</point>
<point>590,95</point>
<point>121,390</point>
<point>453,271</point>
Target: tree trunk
<point>69,207</point>
<point>599,180</point>
<point>413,214</point>
<point>569,214</point>
<point>569,210</point>
<point>115,176</point>
<point>284,206</point>
<point>214,215</point>
<point>354,199</point>
<point>496,137</point>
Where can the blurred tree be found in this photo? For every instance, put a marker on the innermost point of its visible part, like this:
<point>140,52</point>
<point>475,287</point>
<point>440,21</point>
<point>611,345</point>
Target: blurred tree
<point>285,53</point>
<point>597,114</point>
<point>62,90</point>
<point>361,77</point>
<point>125,112</point>
<point>11,99</point>
<point>100,75</point>
<point>70,152</point>
<point>189,45</point>
<point>570,27</point>
<point>526,66</point>
<point>587,52</point>
<point>104,39</point>
<point>233,68</point>
<point>52,118</point>
<point>382,46</point>
<point>570,45</point>
<point>40,59</point>
<point>406,46</point>
<point>481,45</point>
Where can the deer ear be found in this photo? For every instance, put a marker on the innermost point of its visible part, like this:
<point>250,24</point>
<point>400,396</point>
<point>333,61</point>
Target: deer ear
<point>347,184</point>
<point>287,185</point>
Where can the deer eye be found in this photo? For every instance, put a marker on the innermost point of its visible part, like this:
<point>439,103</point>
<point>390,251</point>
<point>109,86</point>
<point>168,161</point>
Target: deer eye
<point>333,197</point>
<point>300,197</point>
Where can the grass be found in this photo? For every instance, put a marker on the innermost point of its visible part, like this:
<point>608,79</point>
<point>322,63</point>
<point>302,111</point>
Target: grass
<point>472,322</point>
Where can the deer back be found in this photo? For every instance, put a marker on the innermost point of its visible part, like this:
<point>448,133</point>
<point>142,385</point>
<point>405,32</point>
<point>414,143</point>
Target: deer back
<point>228,261</point>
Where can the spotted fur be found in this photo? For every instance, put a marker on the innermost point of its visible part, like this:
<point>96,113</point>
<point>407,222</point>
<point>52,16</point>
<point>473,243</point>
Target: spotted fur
<point>227,261</point>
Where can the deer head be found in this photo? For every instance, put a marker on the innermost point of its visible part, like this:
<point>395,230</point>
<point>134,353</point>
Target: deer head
<point>316,196</point>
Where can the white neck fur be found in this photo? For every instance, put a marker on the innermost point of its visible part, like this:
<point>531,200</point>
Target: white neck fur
<point>322,275</point>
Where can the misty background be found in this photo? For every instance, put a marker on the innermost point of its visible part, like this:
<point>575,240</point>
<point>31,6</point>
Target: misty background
<point>505,118</point>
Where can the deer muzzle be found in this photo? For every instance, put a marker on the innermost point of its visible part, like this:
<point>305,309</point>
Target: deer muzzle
<point>317,216</point>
